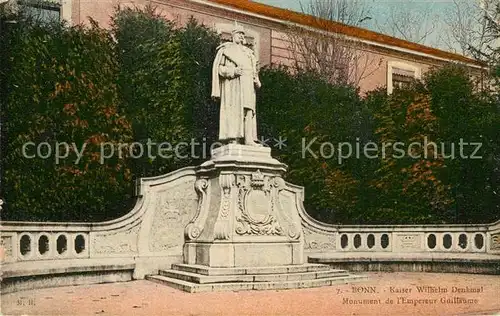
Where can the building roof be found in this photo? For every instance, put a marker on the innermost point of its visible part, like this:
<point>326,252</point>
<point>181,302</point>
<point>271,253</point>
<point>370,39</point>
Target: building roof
<point>340,28</point>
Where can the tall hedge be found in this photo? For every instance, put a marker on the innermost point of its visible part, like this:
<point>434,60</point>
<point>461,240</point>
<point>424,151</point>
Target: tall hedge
<point>303,109</point>
<point>165,86</point>
<point>198,48</point>
<point>151,86</point>
<point>60,87</point>
<point>449,186</point>
<point>411,188</point>
<point>470,115</point>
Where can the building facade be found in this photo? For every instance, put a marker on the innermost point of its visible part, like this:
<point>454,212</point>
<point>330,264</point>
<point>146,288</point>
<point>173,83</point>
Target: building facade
<point>386,61</point>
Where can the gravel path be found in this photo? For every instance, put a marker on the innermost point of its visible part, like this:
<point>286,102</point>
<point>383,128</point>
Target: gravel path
<point>383,294</point>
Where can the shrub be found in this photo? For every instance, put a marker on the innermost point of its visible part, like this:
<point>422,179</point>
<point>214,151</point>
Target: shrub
<point>198,48</point>
<point>304,109</point>
<point>468,115</point>
<point>61,88</point>
<point>151,85</point>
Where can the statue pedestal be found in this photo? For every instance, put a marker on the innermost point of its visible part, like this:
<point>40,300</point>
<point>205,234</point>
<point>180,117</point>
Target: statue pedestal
<point>241,220</point>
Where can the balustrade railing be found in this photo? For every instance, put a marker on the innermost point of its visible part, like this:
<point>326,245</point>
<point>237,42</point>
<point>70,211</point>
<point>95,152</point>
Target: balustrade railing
<point>28,242</point>
<point>394,240</point>
<point>23,241</point>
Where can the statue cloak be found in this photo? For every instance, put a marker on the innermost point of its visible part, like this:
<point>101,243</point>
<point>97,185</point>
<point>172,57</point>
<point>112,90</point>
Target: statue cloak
<point>235,93</point>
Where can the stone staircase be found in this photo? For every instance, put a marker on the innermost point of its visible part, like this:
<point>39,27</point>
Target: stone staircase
<point>198,278</point>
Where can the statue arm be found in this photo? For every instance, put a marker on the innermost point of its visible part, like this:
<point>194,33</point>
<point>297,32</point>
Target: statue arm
<point>226,68</point>
<point>227,71</point>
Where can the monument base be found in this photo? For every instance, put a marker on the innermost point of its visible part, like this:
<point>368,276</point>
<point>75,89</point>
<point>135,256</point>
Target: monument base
<point>241,219</point>
<point>247,232</point>
<point>199,278</point>
<point>242,156</point>
<point>243,254</point>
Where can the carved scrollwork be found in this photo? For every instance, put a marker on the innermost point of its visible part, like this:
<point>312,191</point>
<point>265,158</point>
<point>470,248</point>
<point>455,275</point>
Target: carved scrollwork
<point>285,216</point>
<point>222,225</point>
<point>193,231</point>
<point>495,242</point>
<point>195,227</point>
<point>278,183</point>
<point>247,226</point>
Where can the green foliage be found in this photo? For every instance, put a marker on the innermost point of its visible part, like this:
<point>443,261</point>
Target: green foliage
<point>444,109</point>
<point>165,85</point>
<point>149,79</point>
<point>393,190</point>
<point>61,88</point>
<point>143,80</point>
<point>407,175</point>
<point>473,117</point>
<point>305,110</point>
<point>198,47</point>
<point>151,86</point>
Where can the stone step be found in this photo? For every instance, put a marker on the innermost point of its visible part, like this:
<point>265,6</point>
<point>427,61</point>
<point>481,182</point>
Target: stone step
<point>204,270</point>
<point>244,286</point>
<point>203,279</point>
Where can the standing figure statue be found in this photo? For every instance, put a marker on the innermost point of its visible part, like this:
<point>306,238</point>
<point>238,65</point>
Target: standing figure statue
<point>234,80</point>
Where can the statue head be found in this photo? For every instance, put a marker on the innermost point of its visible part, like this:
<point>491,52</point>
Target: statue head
<point>238,34</point>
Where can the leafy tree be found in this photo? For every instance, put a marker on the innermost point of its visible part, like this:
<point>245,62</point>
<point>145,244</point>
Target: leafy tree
<point>407,177</point>
<point>60,87</point>
<point>473,117</point>
<point>314,116</point>
<point>445,186</point>
<point>198,48</point>
<point>151,87</point>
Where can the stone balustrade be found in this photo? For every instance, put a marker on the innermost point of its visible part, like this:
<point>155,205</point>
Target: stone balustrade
<point>404,248</point>
<point>404,238</point>
<point>326,238</point>
<point>151,237</point>
<point>25,241</point>
<point>413,239</point>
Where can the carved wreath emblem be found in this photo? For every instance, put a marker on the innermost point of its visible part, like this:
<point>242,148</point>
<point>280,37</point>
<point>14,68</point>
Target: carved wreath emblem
<point>249,223</point>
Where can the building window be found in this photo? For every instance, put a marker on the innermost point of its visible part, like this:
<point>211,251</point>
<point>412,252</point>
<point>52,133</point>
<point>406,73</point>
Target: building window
<point>400,75</point>
<point>402,78</point>
<point>44,11</point>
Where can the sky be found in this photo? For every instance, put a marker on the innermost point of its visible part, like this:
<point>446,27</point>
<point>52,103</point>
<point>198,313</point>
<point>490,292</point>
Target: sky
<point>379,11</point>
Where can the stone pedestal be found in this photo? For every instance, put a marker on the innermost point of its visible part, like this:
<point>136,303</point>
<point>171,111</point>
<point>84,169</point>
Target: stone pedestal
<point>240,220</point>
